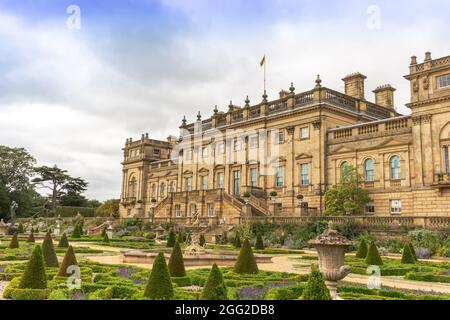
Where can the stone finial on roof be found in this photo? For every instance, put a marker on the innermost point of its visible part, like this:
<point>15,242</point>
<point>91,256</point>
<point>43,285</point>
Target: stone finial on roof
<point>413,60</point>
<point>199,116</point>
<point>247,102</point>
<point>183,122</point>
<point>215,109</point>
<point>292,88</point>
<point>265,96</point>
<point>318,82</point>
<point>427,56</point>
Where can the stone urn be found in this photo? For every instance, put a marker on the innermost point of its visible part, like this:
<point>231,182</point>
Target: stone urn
<point>331,247</point>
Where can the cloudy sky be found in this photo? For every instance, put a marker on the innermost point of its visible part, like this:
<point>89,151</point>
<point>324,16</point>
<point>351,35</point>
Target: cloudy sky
<point>71,95</point>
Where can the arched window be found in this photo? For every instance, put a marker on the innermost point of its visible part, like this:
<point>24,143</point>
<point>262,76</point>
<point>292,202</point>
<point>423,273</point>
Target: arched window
<point>344,168</point>
<point>369,169</point>
<point>162,190</point>
<point>132,187</point>
<point>395,168</point>
<point>154,191</point>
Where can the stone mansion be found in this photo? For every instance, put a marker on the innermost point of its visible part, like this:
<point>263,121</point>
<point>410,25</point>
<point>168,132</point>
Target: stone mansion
<point>255,160</point>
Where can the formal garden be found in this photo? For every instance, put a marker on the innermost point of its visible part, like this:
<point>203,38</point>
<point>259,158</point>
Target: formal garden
<point>35,263</point>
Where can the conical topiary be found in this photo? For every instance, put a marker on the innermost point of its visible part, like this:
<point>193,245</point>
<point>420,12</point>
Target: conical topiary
<point>106,238</point>
<point>407,255</point>
<point>215,288</point>
<point>20,229</point>
<point>176,262</point>
<point>63,242</point>
<point>171,239</point>
<point>246,262</point>
<point>413,251</point>
<point>48,250</point>
<point>14,243</point>
<point>34,276</point>
<point>373,256</point>
<point>103,232</point>
<point>362,249</point>
<point>77,231</point>
<point>259,245</point>
<point>159,286</point>
<point>202,240</point>
<point>237,241</point>
<point>31,237</point>
<point>315,288</point>
<point>69,260</point>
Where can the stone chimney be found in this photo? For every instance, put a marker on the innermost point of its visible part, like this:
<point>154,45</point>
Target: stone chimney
<point>384,96</point>
<point>354,85</point>
<point>284,94</point>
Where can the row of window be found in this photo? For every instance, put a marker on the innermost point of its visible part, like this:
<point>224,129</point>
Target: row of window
<point>193,209</point>
<point>369,168</point>
<point>253,143</point>
<point>162,189</point>
<point>395,207</point>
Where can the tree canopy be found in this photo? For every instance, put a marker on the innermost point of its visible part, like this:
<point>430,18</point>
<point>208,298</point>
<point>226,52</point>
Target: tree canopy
<point>347,196</point>
<point>110,208</point>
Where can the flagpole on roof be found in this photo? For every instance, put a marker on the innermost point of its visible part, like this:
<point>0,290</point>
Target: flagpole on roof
<point>263,63</point>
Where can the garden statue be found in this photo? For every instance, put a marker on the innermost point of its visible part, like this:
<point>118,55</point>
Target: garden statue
<point>195,219</point>
<point>194,248</point>
<point>331,247</point>
<point>13,209</point>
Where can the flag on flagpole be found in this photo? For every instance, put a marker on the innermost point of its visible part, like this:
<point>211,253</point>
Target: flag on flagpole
<point>263,61</point>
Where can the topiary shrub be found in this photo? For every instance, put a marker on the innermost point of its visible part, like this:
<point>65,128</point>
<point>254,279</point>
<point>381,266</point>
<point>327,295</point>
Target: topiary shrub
<point>237,241</point>
<point>103,232</point>
<point>407,256</point>
<point>373,256</point>
<point>63,242</point>
<point>69,260</point>
<point>171,239</point>
<point>176,262</point>
<point>106,238</point>
<point>202,240</point>
<point>246,262</point>
<point>14,243</point>
<point>77,231</point>
<point>413,251</point>
<point>34,276</point>
<point>259,245</point>
<point>48,250</point>
<point>31,237</point>
<point>215,288</point>
<point>20,229</point>
<point>362,249</point>
<point>159,286</point>
<point>315,287</point>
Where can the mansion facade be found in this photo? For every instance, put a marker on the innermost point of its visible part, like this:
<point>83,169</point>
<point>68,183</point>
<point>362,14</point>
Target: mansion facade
<point>278,158</point>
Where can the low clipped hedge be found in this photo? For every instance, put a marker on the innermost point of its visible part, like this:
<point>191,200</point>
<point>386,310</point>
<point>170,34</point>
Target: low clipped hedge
<point>181,281</point>
<point>13,292</point>
<point>65,211</point>
<point>428,277</point>
<point>285,293</point>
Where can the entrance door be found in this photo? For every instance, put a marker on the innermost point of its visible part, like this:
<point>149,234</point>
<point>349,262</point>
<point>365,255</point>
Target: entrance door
<point>236,182</point>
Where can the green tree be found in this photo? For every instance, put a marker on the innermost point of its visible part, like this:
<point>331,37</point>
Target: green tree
<point>373,256</point>
<point>347,196</point>
<point>259,245</point>
<point>58,182</point>
<point>110,208</point>
<point>31,237</point>
<point>176,262</point>
<point>171,239</point>
<point>362,249</point>
<point>407,255</point>
<point>20,229</point>
<point>14,243</point>
<point>63,242</point>
<point>180,238</point>
<point>159,286</point>
<point>34,276</point>
<point>215,288</point>
<point>16,169</point>
<point>77,230</point>
<point>246,262</point>
<point>315,287</point>
<point>106,238</point>
<point>69,260</point>
<point>51,260</point>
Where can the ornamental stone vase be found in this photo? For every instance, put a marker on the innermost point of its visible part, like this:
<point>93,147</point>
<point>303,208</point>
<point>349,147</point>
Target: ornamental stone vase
<point>331,247</point>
